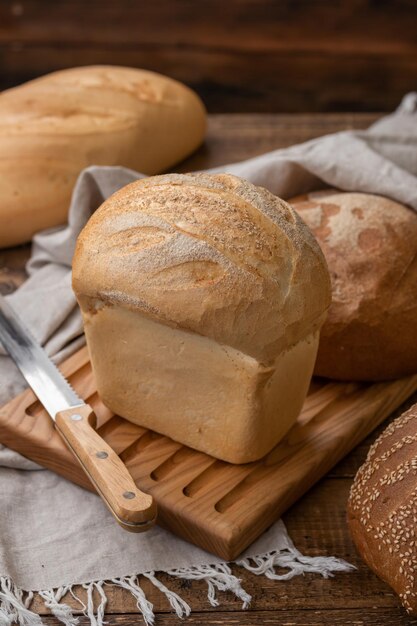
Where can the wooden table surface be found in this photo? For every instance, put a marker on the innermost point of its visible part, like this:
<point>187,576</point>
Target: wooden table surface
<point>317,523</point>
<point>239,55</point>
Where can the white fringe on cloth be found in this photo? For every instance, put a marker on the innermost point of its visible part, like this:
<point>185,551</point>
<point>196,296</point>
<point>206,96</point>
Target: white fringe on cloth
<point>15,603</point>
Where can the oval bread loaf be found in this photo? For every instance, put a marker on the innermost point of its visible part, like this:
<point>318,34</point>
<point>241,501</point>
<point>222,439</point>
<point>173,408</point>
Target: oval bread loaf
<point>382,508</point>
<point>370,245</point>
<point>53,127</point>
<point>202,298</point>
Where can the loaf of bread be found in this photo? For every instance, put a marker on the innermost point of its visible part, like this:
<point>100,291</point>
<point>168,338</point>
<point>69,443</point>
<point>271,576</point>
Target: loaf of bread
<point>54,126</point>
<point>370,244</point>
<point>382,508</point>
<point>202,298</point>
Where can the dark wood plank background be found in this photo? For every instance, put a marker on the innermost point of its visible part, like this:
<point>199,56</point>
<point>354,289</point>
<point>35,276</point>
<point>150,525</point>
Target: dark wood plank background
<point>240,55</point>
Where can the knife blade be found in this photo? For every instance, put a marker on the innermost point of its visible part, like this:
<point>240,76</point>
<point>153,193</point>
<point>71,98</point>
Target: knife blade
<point>43,376</point>
<point>75,421</point>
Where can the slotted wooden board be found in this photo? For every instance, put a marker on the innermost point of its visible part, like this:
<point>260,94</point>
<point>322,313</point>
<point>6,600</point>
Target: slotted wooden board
<point>216,505</point>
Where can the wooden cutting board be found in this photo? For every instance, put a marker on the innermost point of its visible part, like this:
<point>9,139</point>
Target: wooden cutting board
<point>216,505</point>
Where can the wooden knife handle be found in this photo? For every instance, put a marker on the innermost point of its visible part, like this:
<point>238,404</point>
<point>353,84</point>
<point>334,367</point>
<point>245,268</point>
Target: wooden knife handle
<point>133,509</point>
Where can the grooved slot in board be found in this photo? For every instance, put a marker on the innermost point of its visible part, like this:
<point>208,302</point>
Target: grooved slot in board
<point>212,472</point>
<point>140,444</point>
<point>116,425</point>
<point>172,464</point>
<point>226,506</point>
<point>242,488</point>
<point>121,433</point>
<point>220,477</point>
<point>35,409</point>
<point>103,414</point>
<point>83,382</point>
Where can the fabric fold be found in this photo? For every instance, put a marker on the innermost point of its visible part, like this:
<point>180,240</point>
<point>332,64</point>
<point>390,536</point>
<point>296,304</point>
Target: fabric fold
<point>53,534</point>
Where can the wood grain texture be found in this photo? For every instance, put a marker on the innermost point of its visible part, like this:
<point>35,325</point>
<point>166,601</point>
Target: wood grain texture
<point>243,55</point>
<point>352,617</point>
<point>317,521</point>
<point>133,509</point>
<point>218,506</point>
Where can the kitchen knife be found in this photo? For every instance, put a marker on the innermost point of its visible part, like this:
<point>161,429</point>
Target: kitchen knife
<point>75,421</point>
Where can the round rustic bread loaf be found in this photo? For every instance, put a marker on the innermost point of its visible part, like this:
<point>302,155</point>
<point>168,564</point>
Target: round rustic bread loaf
<point>382,508</point>
<point>370,244</point>
<point>54,126</point>
<point>202,298</point>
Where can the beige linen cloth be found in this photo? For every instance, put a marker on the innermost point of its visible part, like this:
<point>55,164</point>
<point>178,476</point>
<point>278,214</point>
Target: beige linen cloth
<point>53,534</point>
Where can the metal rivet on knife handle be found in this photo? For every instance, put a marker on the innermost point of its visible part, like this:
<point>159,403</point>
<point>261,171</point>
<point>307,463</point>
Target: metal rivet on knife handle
<point>110,476</point>
<point>128,495</point>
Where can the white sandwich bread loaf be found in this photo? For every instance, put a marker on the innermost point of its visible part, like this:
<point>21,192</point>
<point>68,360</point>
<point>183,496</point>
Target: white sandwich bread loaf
<point>202,298</point>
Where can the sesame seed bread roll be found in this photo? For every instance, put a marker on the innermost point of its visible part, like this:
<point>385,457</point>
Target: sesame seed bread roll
<point>370,245</point>
<point>382,508</point>
<point>53,127</point>
<point>202,298</point>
